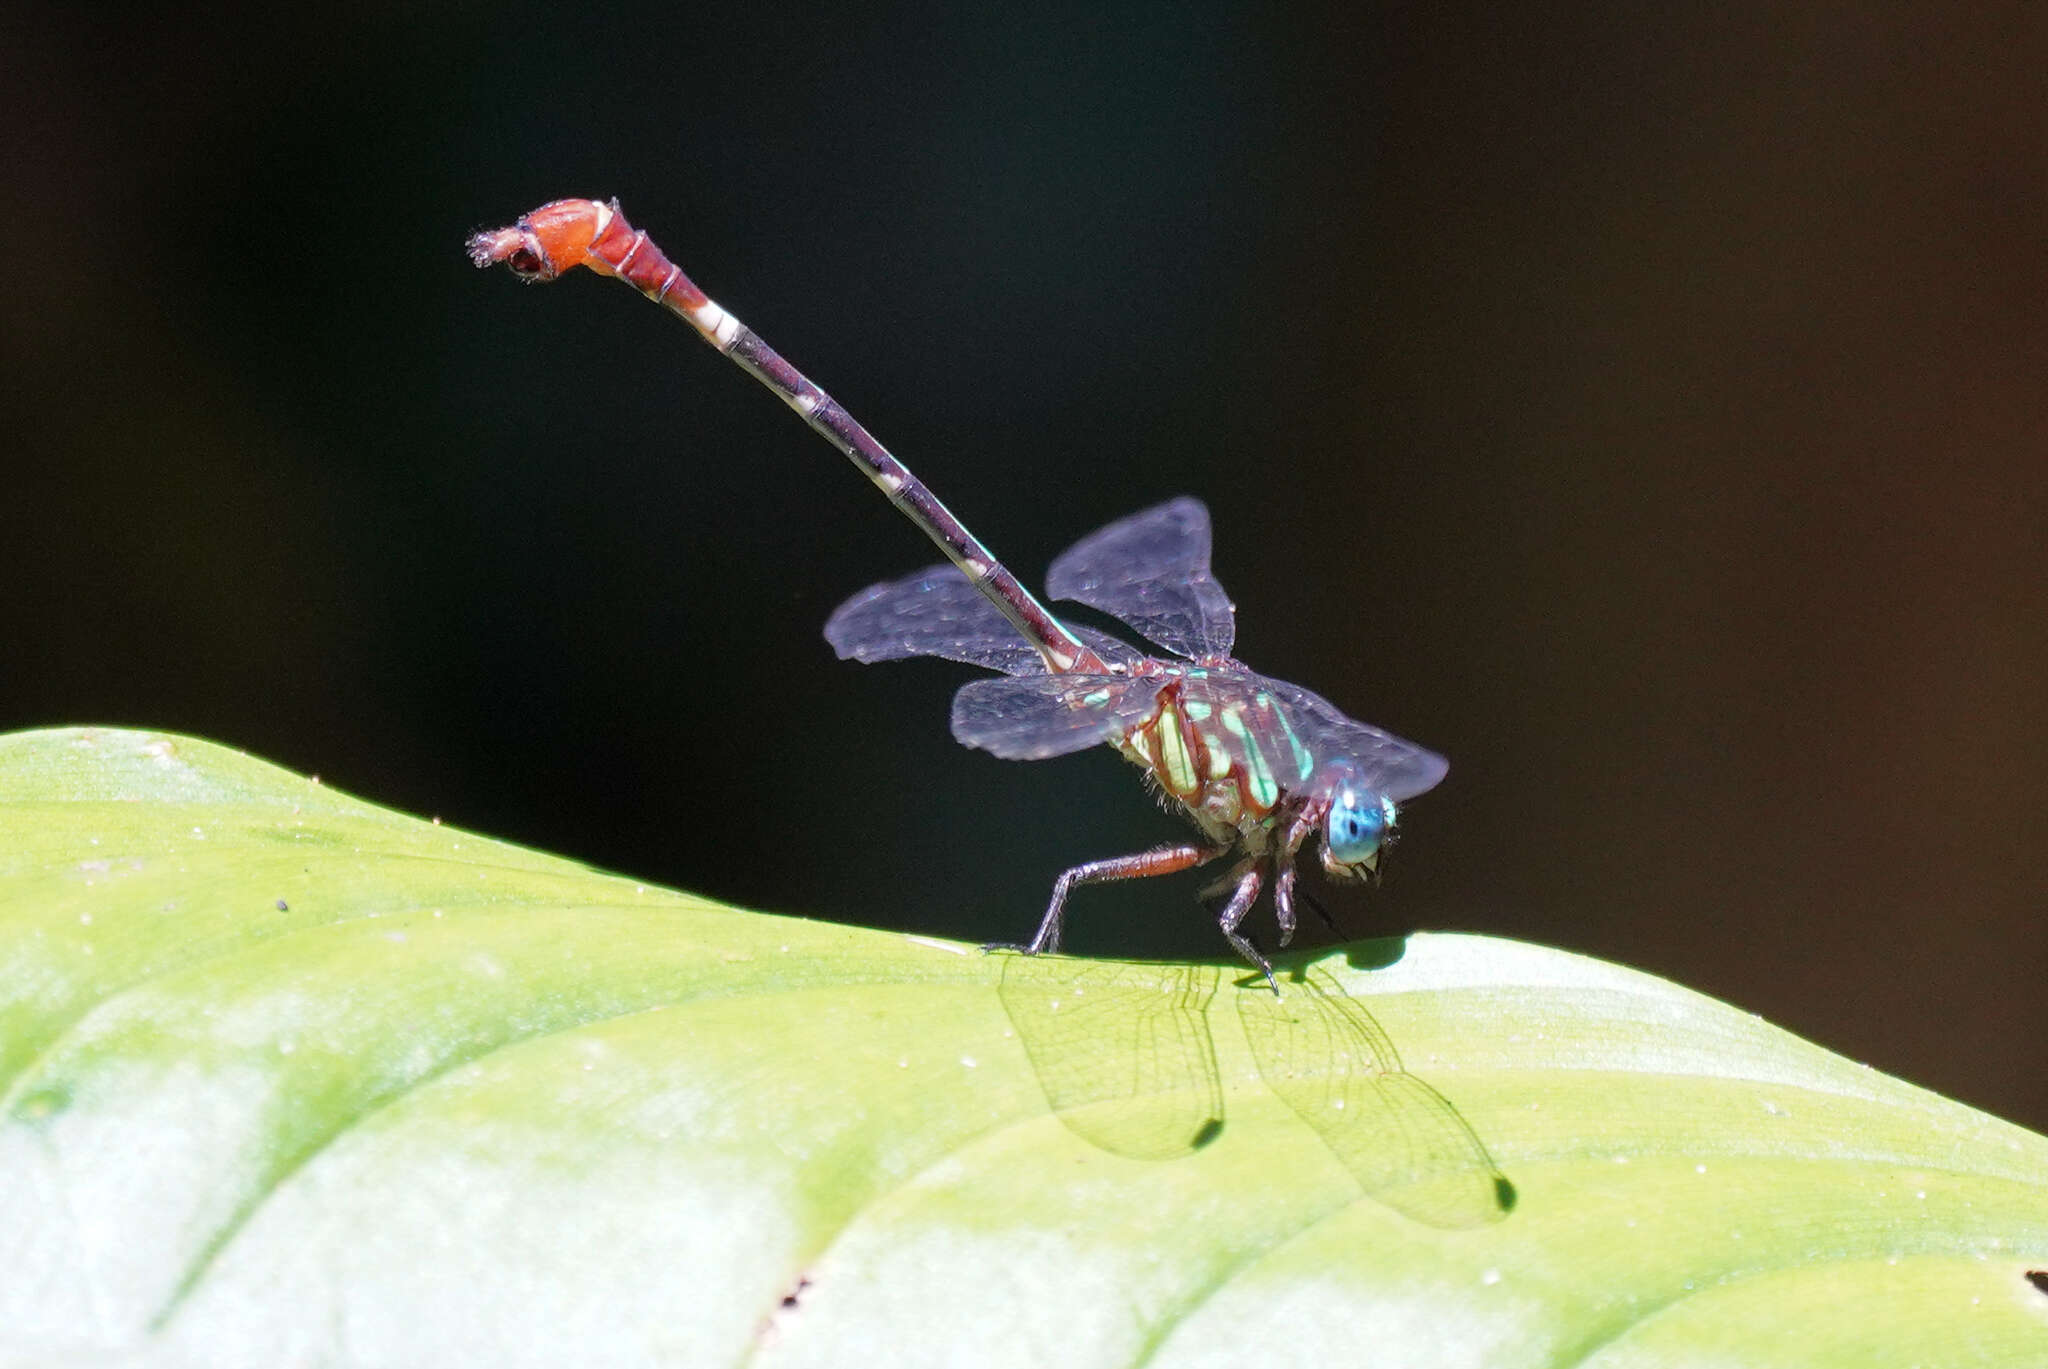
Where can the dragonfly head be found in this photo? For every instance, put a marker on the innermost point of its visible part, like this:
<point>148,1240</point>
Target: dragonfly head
<point>1357,830</point>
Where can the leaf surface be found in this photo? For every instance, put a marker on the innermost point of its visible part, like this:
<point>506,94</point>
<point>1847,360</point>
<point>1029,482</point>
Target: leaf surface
<point>289,1078</point>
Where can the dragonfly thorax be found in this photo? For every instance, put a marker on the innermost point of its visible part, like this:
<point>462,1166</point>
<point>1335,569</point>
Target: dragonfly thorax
<point>1223,753</point>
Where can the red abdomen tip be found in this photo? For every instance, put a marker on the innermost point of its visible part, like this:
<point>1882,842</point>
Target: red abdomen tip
<point>546,242</point>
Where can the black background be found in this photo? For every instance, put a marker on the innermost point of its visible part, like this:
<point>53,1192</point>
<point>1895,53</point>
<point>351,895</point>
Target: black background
<point>1643,405</point>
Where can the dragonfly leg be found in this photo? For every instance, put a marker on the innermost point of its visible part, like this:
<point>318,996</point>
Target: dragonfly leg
<point>1283,901</point>
<point>1162,860</point>
<point>1241,900</point>
<point>1283,878</point>
<point>1225,884</point>
<point>1284,897</point>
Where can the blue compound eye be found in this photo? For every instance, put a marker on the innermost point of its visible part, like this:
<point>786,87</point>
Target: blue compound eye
<point>1358,827</point>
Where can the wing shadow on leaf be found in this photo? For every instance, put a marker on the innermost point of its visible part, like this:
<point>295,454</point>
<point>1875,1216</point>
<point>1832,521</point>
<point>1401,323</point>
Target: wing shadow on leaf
<point>1124,1052</point>
<point>1122,1049</point>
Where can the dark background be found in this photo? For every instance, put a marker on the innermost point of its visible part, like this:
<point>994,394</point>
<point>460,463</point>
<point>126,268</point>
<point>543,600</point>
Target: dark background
<point>1642,405</point>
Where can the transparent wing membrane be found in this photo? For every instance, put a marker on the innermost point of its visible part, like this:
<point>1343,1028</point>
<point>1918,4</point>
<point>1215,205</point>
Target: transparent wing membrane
<point>939,612</point>
<point>1394,767</point>
<point>936,612</point>
<point>1034,717</point>
<point>1152,571</point>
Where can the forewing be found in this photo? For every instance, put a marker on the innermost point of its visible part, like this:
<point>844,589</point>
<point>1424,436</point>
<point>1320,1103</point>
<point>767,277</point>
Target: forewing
<point>1122,1049</point>
<point>1324,1056</point>
<point>1391,765</point>
<point>939,612</point>
<point>1152,571</point>
<point>1033,717</point>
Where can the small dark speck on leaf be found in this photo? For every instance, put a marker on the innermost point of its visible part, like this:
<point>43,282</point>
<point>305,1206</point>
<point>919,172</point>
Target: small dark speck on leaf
<point>771,1327</point>
<point>283,907</point>
<point>2038,1278</point>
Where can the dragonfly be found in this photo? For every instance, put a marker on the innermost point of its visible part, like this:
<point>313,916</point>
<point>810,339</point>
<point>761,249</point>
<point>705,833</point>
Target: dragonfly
<point>1260,767</point>
<point>1124,1053</point>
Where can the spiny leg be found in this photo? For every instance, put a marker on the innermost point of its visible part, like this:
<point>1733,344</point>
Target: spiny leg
<point>1283,876</point>
<point>1163,860</point>
<point>1241,900</point>
<point>1225,884</point>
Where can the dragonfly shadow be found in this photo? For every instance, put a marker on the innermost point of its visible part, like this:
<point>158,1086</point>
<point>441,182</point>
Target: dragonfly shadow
<point>1375,954</point>
<point>1125,1054</point>
<point>1122,1049</point>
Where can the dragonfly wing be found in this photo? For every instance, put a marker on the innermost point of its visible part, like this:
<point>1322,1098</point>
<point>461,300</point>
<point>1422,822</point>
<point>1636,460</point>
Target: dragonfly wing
<point>1122,1049</point>
<point>1391,765</point>
<point>939,612</point>
<point>935,612</point>
<point>1322,1053</point>
<point>1114,650</point>
<point>1034,717</point>
<point>1152,571</point>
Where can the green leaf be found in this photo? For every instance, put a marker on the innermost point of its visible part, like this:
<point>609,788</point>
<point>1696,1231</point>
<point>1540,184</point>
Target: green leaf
<point>286,1078</point>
